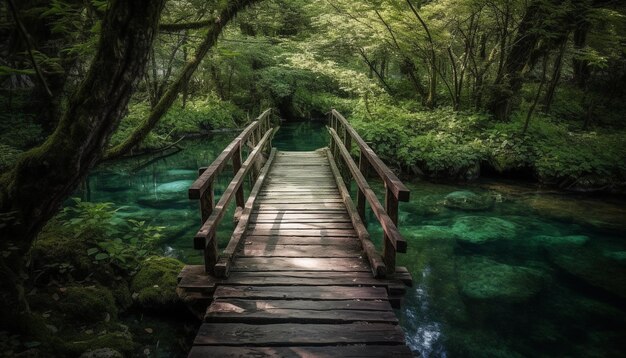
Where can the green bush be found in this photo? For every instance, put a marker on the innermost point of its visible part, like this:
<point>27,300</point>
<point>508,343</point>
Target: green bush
<point>198,115</point>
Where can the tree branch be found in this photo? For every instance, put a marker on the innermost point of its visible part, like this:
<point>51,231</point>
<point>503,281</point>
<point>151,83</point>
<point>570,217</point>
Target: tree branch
<point>168,98</point>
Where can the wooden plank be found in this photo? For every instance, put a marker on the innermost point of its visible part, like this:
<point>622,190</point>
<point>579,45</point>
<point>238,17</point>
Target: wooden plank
<point>299,264</point>
<point>274,311</point>
<point>303,240</point>
<point>296,216</point>
<point>278,200</point>
<point>355,351</point>
<point>295,191</point>
<point>269,250</point>
<point>303,232</point>
<point>310,206</point>
<point>288,334</point>
<point>303,220</point>
<point>274,195</point>
<point>301,292</point>
<point>229,304</point>
<point>275,278</point>
<point>279,225</point>
<point>292,187</point>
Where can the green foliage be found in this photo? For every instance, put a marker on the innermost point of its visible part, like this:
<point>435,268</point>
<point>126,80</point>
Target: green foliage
<point>105,240</point>
<point>8,156</point>
<point>198,115</point>
<point>19,131</point>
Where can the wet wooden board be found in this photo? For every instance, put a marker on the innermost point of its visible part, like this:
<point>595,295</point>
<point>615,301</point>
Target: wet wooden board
<point>303,232</point>
<point>269,250</point>
<point>346,241</point>
<point>354,351</point>
<point>299,264</point>
<point>301,292</point>
<point>288,334</point>
<point>278,225</point>
<point>297,311</point>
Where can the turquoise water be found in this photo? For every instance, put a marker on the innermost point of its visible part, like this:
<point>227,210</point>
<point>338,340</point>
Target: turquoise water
<point>501,269</point>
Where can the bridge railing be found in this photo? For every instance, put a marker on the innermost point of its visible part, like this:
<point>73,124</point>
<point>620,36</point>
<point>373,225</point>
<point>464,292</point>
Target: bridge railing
<point>257,137</point>
<point>342,138</point>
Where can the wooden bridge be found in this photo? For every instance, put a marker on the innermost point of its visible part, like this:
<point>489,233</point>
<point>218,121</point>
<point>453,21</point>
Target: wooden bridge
<point>300,276</point>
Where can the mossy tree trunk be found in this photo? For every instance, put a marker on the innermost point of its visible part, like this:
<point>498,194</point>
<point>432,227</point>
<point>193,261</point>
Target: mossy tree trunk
<point>171,94</point>
<point>34,189</point>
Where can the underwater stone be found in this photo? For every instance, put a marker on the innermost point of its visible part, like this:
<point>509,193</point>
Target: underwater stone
<point>619,256</point>
<point>593,268</point>
<point>482,229</point>
<point>481,278</point>
<point>428,232</point>
<point>546,240</point>
<point>182,172</point>
<point>177,186</point>
<point>469,201</point>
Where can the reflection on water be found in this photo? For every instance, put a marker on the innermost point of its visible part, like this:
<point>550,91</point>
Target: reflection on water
<point>500,269</point>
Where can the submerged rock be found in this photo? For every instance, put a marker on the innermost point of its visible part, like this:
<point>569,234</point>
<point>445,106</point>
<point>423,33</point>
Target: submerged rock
<point>545,240</point>
<point>182,172</point>
<point>154,285</point>
<point>593,268</point>
<point>468,201</point>
<point>178,186</point>
<point>480,278</point>
<point>482,229</point>
<point>428,232</point>
<point>619,256</point>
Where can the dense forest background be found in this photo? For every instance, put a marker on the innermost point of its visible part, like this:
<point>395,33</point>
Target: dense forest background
<point>447,90</point>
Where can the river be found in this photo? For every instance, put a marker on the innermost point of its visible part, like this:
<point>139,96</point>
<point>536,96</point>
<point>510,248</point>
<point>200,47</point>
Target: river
<point>500,268</point>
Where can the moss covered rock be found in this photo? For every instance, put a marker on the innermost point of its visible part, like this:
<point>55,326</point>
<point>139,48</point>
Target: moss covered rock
<point>482,229</point>
<point>121,341</point>
<point>468,201</point>
<point>88,304</point>
<point>61,252</point>
<point>154,285</point>
<point>480,278</point>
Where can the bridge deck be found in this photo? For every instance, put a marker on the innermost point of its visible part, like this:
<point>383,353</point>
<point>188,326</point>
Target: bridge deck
<point>299,285</point>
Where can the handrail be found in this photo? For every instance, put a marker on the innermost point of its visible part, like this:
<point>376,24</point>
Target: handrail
<point>201,184</point>
<point>259,133</point>
<point>399,190</point>
<point>395,191</point>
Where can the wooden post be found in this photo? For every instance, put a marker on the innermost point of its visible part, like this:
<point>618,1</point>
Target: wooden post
<point>236,166</point>
<point>206,200</point>
<point>360,196</point>
<point>210,256</point>
<point>389,252</point>
<point>348,144</point>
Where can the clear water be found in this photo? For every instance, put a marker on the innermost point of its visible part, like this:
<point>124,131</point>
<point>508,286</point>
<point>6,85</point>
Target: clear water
<point>534,273</point>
